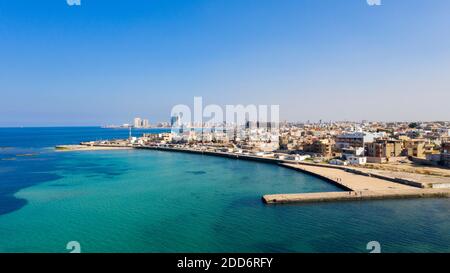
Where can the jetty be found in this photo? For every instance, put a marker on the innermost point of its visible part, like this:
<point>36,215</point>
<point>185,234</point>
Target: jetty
<point>354,196</point>
<point>356,186</point>
<point>89,147</point>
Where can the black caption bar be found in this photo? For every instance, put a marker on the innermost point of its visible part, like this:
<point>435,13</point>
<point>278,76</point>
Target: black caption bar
<point>218,262</point>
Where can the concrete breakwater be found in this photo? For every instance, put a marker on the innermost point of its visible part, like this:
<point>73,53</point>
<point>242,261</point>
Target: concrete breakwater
<point>359,187</point>
<point>353,196</point>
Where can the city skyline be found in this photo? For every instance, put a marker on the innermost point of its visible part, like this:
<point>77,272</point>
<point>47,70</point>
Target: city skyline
<point>106,62</point>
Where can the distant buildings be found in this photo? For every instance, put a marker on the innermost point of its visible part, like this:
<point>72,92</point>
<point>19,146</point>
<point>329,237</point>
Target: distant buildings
<point>426,143</point>
<point>163,125</point>
<point>137,122</point>
<point>161,138</point>
<point>141,123</point>
<point>174,121</point>
<point>371,142</point>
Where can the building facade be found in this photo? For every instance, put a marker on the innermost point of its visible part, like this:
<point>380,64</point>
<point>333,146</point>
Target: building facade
<point>324,147</point>
<point>384,148</point>
<point>415,148</point>
<point>445,154</point>
<point>356,139</point>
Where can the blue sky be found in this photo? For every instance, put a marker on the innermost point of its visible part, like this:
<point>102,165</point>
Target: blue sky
<point>107,61</point>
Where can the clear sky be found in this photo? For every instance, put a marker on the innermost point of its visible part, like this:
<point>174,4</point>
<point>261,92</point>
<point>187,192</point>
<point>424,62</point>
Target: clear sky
<point>107,61</point>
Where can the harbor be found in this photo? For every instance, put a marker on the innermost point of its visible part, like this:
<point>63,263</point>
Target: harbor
<point>357,184</point>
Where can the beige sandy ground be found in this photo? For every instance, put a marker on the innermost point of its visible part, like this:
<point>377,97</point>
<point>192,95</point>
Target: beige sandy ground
<point>352,181</point>
<point>426,180</point>
<point>410,168</point>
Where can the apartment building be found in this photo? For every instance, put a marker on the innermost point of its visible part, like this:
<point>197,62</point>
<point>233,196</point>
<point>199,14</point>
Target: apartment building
<point>445,154</point>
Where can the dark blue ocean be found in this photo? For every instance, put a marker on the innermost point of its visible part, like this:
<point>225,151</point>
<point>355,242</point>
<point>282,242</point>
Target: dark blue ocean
<point>152,201</point>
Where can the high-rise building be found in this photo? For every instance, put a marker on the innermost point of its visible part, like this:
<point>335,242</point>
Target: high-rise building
<point>137,123</point>
<point>174,121</point>
<point>145,123</point>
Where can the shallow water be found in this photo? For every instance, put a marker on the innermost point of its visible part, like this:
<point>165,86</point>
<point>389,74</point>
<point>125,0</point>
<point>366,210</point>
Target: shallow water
<point>153,201</point>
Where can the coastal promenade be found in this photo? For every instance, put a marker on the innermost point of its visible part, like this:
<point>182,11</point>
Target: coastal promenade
<point>215,153</point>
<point>357,184</point>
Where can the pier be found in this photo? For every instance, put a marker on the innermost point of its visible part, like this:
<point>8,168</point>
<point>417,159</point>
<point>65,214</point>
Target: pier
<point>354,196</point>
<point>358,187</point>
<point>74,148</point>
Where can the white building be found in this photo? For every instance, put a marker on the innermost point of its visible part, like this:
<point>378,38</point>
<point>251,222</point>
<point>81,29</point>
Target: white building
<point>141,123</point>
<point>349,152</point>
<point>137,123</point>
<point>145,123</point>
<point>297,157</point>
<point>338,162</point>
<point>444,131</point>
<point>357,160</point>
<point>356,139</point>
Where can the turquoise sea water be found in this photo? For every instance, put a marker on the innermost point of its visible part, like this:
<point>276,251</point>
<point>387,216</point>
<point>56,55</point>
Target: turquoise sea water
<point>151,201</point>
